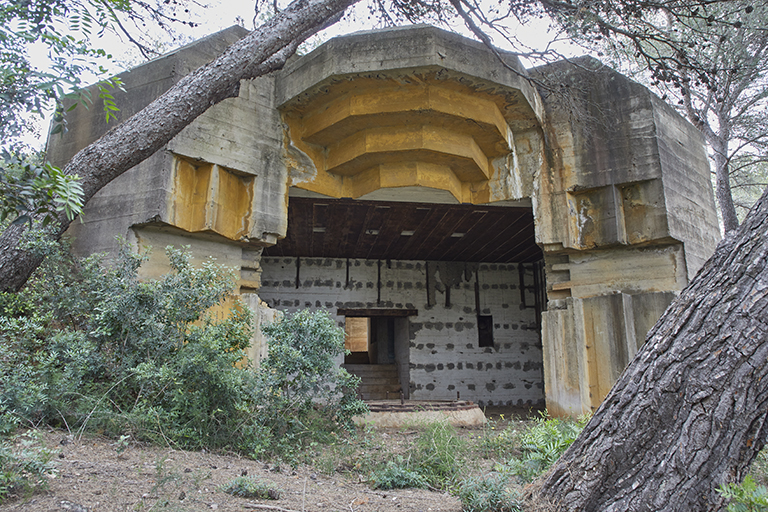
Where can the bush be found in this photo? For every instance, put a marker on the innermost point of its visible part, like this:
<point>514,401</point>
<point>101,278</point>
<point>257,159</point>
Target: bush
<point>249,487</point>
<point>397,475</point>
<point>86,346</point>
<point>489,494</point>
<point>25,466</point>
<point>303,394</point>
<point>542,444</point>
<point>746,496</point>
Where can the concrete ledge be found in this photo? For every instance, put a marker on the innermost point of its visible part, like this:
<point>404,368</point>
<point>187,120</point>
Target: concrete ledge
<point>391,414</point>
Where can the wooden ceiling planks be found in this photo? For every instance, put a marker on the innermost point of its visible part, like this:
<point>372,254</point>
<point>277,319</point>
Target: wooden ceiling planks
<point>347,228</point>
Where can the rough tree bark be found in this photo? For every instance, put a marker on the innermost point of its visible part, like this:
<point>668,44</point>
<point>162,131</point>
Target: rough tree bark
<point>129,143</point>
<point>689,412</point>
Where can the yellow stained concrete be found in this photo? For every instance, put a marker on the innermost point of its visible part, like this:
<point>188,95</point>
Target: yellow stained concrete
<point>392,134</point>
<point>207,197</point>
<point>350,112</point>
<point>369,147</point>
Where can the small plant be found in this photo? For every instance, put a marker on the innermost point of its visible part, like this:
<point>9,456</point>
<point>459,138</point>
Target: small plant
<point>25,466</point>
<point>542,444</point>
<point>759,468</point>
<point>249,487</point>
<point>438,454</point>
<point>499,444</point>
<point>746,496</point>
<point>488,494</point>
<point>397,475</point>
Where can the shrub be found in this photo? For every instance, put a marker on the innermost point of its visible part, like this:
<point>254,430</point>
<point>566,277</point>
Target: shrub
<point>90,346</point>
<point>397,475</point>
<point>488,494</point>
<point>250,487</point>
<point>746,496</point>
<point>302,393</point>
<point>94,347</point>
<point>542,444</point>
<point>25,466</point>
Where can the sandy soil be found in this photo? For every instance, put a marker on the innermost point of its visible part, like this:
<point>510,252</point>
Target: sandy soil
<point>92,476</point>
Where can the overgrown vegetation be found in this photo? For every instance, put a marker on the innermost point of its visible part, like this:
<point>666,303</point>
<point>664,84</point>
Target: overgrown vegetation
<point>25,466</point>
<point>88,347</point>
<point>542,443</point>
<point>250,487</point>
<point>488,494</point>
<point>91,347</point>
<point>300,392</point>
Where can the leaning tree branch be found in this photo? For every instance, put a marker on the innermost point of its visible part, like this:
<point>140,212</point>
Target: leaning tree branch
<point>131,142</point>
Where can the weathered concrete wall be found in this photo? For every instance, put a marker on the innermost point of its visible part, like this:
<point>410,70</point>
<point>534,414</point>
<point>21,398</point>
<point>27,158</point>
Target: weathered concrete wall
<point>625,214</point>
<point>687,183</point>
<point>444,354</point>
<point>222,176</point>
<point>409,108</point>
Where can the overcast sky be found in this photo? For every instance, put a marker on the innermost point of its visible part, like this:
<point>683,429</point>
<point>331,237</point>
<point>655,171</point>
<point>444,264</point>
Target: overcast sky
<point>219,14</point>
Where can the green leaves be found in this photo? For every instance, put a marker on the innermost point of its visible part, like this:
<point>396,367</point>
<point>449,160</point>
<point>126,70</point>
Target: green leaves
<point>542,444</point>
<point>301,390</point>
<point>30,189</point>
<point>64,29</point>
<point>745,497</point>
<point>110,107</point>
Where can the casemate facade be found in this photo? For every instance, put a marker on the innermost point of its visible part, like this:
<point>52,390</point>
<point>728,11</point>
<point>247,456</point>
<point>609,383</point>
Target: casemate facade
<point>476,236</point>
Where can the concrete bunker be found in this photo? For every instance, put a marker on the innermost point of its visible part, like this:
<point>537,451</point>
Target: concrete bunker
<point>352,179</point>
<point>430,294</point>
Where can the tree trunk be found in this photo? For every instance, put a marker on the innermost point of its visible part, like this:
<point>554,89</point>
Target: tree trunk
<point>689,412</point>
<point>129,143</point>
<point>723,182</point>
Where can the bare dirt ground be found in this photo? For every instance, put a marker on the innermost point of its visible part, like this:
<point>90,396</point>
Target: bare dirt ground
<point>92,476</point>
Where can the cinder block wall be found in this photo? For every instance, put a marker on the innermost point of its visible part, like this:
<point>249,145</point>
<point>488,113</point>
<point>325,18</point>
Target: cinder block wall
<point>444,354</point>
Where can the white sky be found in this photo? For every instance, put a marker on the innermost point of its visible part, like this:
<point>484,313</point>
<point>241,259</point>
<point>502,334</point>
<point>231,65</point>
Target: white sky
<point>220,14</point>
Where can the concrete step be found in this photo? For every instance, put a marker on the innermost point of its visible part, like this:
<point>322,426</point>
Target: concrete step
<point>377,381</point>
<point>371,369</point>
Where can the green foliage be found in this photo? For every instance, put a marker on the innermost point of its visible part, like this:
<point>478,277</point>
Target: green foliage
<point>488,494</point>
<point>100,349</point>
<point>64,29</point>
<point>542,444</point>
<point>499,444</point>
<point>250,487</point>
<point>302,393</point>
<point>25,465</point>
<point>746,496</point>
<point>29,188</point>
<point>397,475</point>
<point>435,460</point>
<point>438,454</point>
<point>92,347</point>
